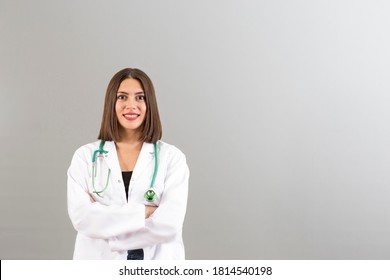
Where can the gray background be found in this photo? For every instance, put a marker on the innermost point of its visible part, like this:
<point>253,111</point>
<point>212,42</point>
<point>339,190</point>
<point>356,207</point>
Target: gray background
<point>282,108</point>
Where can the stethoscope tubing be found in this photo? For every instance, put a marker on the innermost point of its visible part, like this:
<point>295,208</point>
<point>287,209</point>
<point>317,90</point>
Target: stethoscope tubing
<point>150,194</point>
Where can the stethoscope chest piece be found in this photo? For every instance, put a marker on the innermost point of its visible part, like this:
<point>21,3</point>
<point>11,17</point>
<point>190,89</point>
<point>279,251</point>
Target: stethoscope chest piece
<point>150,196</point>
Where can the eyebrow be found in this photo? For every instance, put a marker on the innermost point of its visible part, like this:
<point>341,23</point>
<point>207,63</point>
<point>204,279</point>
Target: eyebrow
<point>137,93</point>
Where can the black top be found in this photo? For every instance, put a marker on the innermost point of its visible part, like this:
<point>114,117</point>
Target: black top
<point>126,175</point>
<point>137,254</point>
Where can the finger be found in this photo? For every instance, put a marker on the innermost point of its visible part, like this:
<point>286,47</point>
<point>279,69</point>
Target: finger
<point>91,198</point>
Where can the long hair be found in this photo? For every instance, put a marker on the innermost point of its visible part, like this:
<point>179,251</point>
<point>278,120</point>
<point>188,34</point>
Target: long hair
<point>151,129</point>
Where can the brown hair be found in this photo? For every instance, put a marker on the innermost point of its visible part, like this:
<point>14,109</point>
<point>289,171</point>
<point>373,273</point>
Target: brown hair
<point>151,129</point>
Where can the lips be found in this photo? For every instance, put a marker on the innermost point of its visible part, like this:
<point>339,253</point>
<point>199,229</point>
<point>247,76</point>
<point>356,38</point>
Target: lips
<point>131,116</point>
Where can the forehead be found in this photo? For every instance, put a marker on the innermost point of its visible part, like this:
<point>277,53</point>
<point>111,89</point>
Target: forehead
<point>130,86</point>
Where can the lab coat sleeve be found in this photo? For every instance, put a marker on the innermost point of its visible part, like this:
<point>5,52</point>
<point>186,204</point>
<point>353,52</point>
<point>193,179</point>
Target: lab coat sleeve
<point>94,219</point>
<point>167,221</point>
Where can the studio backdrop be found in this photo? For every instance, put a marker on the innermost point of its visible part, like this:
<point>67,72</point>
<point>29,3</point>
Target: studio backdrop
<point>281,107</point>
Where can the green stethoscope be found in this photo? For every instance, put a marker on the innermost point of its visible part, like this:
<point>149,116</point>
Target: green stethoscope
<point>149,195</point>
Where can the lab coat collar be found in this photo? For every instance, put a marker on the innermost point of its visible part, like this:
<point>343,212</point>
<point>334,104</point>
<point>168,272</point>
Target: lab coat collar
<point>145,158</point>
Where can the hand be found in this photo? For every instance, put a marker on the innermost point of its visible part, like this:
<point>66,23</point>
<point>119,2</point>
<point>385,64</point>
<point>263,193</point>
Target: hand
<point>91,198</point>
<point>149,210</point>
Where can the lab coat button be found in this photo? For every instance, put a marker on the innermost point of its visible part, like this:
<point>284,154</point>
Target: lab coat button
<point>119,181</point>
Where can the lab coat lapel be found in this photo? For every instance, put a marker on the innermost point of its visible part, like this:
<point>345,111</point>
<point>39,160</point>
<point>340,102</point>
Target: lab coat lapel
<point>144,159</point>
<point>112,159</point>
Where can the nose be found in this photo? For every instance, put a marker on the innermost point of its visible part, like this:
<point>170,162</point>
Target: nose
<point>131,104</point>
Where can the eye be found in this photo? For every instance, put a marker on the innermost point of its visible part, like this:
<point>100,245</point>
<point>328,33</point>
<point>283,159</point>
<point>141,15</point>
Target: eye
<point>140,97</point>
<point>121,97</point>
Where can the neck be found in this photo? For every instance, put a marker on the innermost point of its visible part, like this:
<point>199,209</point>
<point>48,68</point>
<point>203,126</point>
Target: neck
<point>129,140</point>
<point>126,150</point>
<point>130,137</point>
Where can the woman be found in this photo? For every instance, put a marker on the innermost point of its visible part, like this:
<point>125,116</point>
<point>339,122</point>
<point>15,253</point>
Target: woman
<point>127,192</point>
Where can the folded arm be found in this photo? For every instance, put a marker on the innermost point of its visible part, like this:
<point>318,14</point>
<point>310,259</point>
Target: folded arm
<point>95,219</point>
<point>167,220</point>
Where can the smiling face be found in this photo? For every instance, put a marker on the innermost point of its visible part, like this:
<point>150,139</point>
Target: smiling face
<point>130,106</point>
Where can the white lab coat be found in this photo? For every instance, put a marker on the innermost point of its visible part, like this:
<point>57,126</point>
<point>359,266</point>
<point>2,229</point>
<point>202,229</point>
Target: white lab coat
<point>109,227</point>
